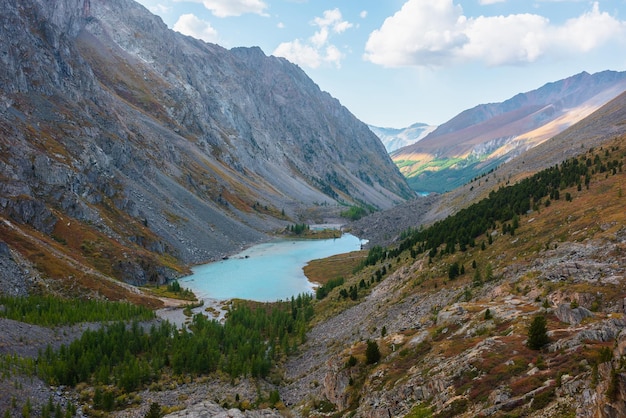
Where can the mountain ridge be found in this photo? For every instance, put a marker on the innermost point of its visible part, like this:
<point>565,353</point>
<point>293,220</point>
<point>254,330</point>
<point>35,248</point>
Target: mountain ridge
<point>171,151</point>
<point>481,138</point>
<point>396,138</point>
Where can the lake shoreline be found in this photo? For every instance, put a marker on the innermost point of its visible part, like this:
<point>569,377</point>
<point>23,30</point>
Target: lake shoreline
<point>267,271</point>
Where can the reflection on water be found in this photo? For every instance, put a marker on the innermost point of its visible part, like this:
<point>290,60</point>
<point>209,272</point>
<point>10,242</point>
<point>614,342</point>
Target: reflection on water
<point>265,272</point>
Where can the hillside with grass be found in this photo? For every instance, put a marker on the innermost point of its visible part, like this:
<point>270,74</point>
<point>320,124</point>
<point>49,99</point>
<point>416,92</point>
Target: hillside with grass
<point>451,316</point>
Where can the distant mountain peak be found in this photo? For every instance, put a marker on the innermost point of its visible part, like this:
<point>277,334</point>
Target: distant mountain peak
<point>396,138</point>
<point>486,135</point>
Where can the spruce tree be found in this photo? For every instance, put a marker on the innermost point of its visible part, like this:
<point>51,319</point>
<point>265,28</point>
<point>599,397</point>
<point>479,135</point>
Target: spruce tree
<point>372,353</point>
<point>154,411</point>
<point>538,333</point>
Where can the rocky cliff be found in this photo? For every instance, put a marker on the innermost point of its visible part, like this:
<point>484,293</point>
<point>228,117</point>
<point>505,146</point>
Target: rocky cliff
<point>135,150</point>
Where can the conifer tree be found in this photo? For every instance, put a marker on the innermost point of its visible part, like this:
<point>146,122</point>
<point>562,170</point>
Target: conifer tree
<point>372,353</point>
<point>538,333</point>
<point>154,411</point>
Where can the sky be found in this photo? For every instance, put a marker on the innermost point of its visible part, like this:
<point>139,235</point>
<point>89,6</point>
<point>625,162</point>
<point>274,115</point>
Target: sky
<point>394,63</point>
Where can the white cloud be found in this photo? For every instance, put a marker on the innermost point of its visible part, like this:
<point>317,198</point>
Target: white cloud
<point>487,2</point>
<point>590,30</point>
<point>332,20</point>
<point>317,49</point>
<point>160,9</point>
<point>333,55</point>
<point>520,38</point>
<point>226,8</point>
<point>302,54</point>
<point>191,25</point>
<point>425,33</point>
<point>363,14</point>
<point>422,32</point>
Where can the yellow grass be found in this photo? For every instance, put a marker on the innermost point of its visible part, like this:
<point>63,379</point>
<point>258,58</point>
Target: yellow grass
<point>341,265</point>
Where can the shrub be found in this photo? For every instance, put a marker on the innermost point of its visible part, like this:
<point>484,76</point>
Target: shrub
<point>154,411</point>
<point>488,314</point>
<point>354,213</point>
<point>351,362</point>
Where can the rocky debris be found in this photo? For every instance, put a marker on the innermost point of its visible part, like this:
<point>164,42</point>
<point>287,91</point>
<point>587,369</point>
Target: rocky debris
<point>16,275</point>
<point>592,261</point>
<point>605,330</point>
<point>211,410</point>
<point>336,383</point>
<point>16,389</point>
<point>206,397</point>
<point>319,361</point>
<point>26,340</point>
<point>384,228</point>
<point>453,314</point>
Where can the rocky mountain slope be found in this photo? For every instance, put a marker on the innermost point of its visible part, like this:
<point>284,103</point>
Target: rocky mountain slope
<point>481,138</point>
<point>394,139</point>
<point>605,124</point>
<point>456,345</point>
<point>130,151</point>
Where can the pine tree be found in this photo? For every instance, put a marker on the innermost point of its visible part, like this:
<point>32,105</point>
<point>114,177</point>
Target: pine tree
<point>477,280</point>
<point>538,333</point>
<point>372,353</point>
<point>154,411</point>
<point>488,273</point>
<point>488,314</point>
<point>453,271</point>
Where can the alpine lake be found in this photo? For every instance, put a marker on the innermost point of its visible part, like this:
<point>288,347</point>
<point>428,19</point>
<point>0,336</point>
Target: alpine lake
<point>265,272</point>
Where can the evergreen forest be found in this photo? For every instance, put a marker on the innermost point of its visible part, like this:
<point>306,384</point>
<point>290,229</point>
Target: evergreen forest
<point>127,356</point>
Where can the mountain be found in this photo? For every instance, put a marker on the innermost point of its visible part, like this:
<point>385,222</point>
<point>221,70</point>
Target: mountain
<point>131,151</point>
<point>452,323</point>
<point>479,139</point>
<point>393,138</point>
<point>511,306</point>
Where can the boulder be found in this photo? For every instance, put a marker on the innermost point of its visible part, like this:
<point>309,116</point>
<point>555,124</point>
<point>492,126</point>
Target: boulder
<point>572,316</point>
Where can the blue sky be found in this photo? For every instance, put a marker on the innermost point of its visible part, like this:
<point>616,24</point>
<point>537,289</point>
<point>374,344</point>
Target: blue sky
<point>397,62</point>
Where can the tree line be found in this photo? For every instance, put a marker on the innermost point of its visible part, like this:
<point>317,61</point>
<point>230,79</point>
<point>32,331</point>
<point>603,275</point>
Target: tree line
<point>130,356</point>
<point>502,207</point>
<point>50,311</point>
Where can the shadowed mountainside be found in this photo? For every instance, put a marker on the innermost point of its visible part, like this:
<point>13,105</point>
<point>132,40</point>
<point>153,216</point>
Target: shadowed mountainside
<point>133,150</point>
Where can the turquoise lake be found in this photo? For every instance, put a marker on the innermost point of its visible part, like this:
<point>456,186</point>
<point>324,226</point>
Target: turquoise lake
<point>265,272</point>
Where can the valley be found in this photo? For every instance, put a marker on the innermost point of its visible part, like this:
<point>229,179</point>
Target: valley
<point>130,154</point>
<point>480,139</point>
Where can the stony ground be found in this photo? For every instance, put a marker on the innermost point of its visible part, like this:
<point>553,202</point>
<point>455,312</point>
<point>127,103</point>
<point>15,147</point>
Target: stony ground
<point>384,228</point>
<point>24,340</point>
